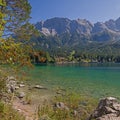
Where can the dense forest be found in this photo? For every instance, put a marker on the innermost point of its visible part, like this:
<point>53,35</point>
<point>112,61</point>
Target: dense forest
<point>59,49</point>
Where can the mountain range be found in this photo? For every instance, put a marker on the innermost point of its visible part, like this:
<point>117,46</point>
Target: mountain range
<point>109,30</point>
<point>81,34</point>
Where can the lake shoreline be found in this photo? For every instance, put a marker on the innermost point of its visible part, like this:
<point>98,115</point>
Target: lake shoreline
<point>31,110</point>
<point>93,78</point>
<point>54,84</point>
<point>28,98</point>
<point>37,97</point>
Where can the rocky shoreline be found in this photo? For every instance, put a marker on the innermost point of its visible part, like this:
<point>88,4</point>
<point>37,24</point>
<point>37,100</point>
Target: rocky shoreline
<point>108,108</point>
<point>25,98</point>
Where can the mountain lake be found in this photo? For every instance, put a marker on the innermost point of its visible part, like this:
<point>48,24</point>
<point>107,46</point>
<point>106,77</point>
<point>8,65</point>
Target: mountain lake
<point>93,79</point>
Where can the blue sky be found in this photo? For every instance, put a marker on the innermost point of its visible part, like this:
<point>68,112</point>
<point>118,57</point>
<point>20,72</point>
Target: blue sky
<point>92,10</point>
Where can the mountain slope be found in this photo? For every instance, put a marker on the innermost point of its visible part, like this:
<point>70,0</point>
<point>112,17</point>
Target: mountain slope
<point>110,30</point>
<point>62,35</point>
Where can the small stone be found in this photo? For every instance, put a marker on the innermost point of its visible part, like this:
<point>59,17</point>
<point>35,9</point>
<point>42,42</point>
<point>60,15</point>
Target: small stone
<point>19,110</point>
<point>75,113</point>
<point>16,87</point>
<point>11,78</point>
<point>21,95</point>
<point>61,105</point>
<point>58,92</point>
<point>12,88</point>
<point>39,87</point>
<point>21,85</point>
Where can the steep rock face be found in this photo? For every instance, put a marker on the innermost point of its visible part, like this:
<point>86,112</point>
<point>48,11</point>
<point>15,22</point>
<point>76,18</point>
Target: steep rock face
<point>110,30</point>
<point>81,26</point>
<point>64,25</point>
<point>99,27</point>
<point>111,24</point>
<point>118,24</point>
<point>59,25</point>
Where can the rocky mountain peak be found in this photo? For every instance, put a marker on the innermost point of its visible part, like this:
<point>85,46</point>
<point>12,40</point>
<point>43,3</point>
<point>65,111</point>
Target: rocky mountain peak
<point>99,31</point>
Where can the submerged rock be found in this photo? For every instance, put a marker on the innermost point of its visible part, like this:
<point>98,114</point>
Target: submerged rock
<point>108,109</point>
<point>39,87</point>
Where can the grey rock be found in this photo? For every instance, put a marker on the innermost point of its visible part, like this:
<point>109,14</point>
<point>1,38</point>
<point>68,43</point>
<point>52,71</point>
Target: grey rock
<point>117,22</point>
<point>109,117</point>
<point>109,30</point>
<point>111,24</point>
<point>21,94</point>
<point>17,87</point>
<point>10,84</point>
<point>99,27</point>
<point>59,26</point>
<point>75,113</point>
<point>39,87</point>
<point>10,88</point>
<point>10,78</point>
<point>21,85</point>
<point>108,109</point>
<point>61,105</point>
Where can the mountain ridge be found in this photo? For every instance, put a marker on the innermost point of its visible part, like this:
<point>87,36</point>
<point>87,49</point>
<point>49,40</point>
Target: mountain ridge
<point>83,27</point>
<point>60,36</point>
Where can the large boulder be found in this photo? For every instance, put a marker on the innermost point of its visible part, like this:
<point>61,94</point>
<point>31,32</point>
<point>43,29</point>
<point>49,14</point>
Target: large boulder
<point>107,109</point>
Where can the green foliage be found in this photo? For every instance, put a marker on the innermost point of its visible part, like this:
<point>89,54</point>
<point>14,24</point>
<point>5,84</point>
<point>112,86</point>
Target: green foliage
<point>49,58</point>
<point>2,3</point>
<point>15,31</point>
<point>7,113</point>
<point>13,53</point>
<point>61,46</point>
<point>71,56</point>
<point>82,105</point>
<point>2,16</point>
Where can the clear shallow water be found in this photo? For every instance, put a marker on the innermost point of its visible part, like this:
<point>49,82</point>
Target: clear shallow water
<point>97,80</point>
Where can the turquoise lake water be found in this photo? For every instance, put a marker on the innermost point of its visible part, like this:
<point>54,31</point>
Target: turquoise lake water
<point>98,80</point>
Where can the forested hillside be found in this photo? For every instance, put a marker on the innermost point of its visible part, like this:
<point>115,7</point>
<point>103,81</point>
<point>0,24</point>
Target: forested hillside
<point>99,42</point>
